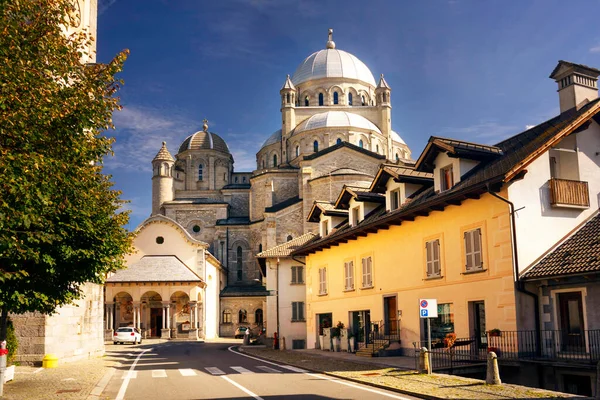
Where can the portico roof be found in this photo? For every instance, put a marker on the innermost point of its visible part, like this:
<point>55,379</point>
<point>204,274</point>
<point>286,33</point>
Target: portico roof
<point>156,269</point>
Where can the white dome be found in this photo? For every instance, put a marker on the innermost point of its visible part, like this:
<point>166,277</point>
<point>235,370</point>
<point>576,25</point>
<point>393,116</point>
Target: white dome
<point>332,63</point>
<point>396,137</point>
<point>335,119</point>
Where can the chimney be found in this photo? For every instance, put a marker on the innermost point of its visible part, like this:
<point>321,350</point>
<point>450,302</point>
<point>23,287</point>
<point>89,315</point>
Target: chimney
<point>576,84</point>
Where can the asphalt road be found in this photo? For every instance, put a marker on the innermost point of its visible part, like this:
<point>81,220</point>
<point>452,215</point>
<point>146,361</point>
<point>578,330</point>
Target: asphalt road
<point>182,370</point>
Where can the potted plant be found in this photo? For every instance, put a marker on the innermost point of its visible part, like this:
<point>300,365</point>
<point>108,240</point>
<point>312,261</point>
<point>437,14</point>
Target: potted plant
<point>351,341</point>
<point>11,345</point>
<point>495,332</point>
<point>335,335</point>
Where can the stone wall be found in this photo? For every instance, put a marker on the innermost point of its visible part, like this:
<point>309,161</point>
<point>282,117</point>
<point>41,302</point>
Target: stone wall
<point>235,304</point>
<point>240,237</point>
<point>239,202</point>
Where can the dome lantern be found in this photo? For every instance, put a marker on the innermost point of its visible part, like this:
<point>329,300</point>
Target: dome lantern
<point>330,43</point>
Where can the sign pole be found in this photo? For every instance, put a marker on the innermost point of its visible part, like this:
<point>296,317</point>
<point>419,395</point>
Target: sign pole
<point>429,344</point>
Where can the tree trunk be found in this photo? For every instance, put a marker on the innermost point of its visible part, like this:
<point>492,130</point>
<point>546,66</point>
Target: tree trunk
<point>3,324</point>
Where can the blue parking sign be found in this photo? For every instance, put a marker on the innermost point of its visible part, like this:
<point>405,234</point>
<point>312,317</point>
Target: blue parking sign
<point>424,313</point>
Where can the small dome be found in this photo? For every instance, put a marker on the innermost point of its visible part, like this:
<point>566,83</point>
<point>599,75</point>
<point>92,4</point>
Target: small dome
<point>274,138</point>
<point>202,140</point>
<point>335,119</point>
<point>396,137</point>
<point>332,63</point>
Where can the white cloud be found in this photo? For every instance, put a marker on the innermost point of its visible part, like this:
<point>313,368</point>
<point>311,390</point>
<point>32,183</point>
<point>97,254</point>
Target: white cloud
<point>595,49</point>
<point>529,126</point>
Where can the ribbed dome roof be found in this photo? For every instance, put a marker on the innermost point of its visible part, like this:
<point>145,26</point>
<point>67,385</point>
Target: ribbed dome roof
<point>274,138</point>
<point>335,119</point>
<point>332,63</point>
<point>202,140</point>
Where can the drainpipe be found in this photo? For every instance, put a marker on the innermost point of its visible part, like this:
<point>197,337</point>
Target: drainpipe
<point>295,259</point>
<point>519,286</point>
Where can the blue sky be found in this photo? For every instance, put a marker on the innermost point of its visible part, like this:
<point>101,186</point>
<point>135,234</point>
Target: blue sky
<point>473,70</point>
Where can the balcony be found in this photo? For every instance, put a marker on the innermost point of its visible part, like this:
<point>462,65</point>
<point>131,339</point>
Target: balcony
<point>568,193</point>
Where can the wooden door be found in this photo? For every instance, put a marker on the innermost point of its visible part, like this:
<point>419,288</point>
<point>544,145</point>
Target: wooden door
<point>389,308</point>
<point>572,330</point>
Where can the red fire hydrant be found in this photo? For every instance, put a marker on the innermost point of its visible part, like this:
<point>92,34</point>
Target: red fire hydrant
<point>275,341</point>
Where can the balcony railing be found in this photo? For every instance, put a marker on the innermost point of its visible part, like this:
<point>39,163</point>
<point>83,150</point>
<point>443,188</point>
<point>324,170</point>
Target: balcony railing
<point>567,193</point>
<point>550,345</point>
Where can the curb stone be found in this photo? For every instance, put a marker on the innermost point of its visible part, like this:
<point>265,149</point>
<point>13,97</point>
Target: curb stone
<point>391,389</point>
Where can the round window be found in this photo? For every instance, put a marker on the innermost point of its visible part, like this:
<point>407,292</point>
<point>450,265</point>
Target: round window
<point>160,240</point>
<point>196,228</point>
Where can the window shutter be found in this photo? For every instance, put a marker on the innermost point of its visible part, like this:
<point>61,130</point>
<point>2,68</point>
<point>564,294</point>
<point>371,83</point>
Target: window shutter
<point>477,248</point>
<point>436,257</point>
<point>429,261</point>
<point>469,249</point>
<point>300,271</point>
<point>301,310</point>
<point>351,268</point>
<point>294,311</point>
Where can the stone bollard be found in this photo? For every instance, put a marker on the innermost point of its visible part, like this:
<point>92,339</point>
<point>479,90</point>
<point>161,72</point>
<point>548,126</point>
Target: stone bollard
<point>597,381</point>
<point>424,366</point>
<point>493,374</point>
<point>282,346</point>
<point>247,337</point>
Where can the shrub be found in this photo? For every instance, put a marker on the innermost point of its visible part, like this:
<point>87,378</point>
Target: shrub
<point>11,343</point>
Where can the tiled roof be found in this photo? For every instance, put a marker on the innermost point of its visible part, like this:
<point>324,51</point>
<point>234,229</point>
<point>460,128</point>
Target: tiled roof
<point>577,67</point>
<point>400,174</point>
<point>339,146</point>
<point>244,291</point>
<point>459,148</point>
<point>163,154</point>
<point>285,249</point>
<point>578,254</point>
<point>326,208</point>
<point>237,186</point>
<point>234,221</point>
<point>200,200</point>
<point>283,204</point>
<point>517,152</point>
<point>156,269</point>
<point>203,140</point>
<point>358,193</point>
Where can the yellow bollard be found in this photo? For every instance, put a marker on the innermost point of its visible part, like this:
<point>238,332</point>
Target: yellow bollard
<point>50,361</point>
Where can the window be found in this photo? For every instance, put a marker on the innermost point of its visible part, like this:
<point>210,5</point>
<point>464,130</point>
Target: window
<point>315,146</point>
<point>433,258</point>
<point>473,250</point>
<point>258,316</point>
<point>297,150</point>
<point>160,240</point>
<point>244,179</point>
<point>362,98</point>
<point>260,248</point>
<point>274,160</point>
<point>298,274</point>
<point>200,172</point>
<point>349,275</point>
<point>553,167</point>
<point>196,228</point>
<point>239,262</point>
<point>288,238</point>
<point>236,179</point>
<point>297,311</point>
<point>367,272</point>
<point>443,324</point>
<point>395,199</point>
<point>227,317</point>
<point>324,228</point>
<point>263,163</point>
<point>322,280</point>
<point>320,99</point>
<point>338,141</point>
<point>360,143</point>
<point>377,148</point>
<point>335,98</point>
<point>306,101</point>
<point>349,99</point>
<point>287,98</point>
<point>397,157</point>
<point>298,344</point>
<point>446,178</point>
<point>355,215</point>
<point>242,316</point>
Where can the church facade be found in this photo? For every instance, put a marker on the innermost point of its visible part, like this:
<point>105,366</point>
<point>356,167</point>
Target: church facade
<point>335,130</point>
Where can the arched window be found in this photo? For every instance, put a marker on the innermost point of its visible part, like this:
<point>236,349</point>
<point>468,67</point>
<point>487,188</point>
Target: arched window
<point>287,98</point>
<point>335,98</point>
<point>338,141</point>
<point>320,99</point>
<point>362,98</point>
<point>306,101</point>
<point>200,172</point>
<point>167,169</point>
<point>289,237</point>
<point>297,150</point>
<point>239,262</point>
<point>274,160</point>
<point>260,248</point>
<point>377,148</point>
<point>242,316</point>
<point>315,146</point>
<point>397,157</point>
<point>349,99</point>
<point>258,316</point>
<point>360,143</point>
<point>227,317</point>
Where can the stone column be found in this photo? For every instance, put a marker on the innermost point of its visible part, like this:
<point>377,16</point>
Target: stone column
<point>165,332</point>
<point>193,334</point>
<point>108,327</point>
<point>137,314</point>
<point>134,313</point>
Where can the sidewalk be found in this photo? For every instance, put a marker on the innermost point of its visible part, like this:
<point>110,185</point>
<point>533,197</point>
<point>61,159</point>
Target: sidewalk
<point>397,374</point>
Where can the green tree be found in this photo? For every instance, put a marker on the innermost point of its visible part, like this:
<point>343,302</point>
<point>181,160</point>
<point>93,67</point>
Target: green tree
<point>61,223</point>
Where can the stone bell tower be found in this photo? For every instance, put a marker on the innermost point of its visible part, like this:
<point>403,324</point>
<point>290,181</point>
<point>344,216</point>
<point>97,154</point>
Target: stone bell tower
<point>162,178</point>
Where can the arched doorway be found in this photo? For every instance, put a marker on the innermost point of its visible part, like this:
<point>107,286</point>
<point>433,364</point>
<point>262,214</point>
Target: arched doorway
<point>123,310</point>
<point>180,315</point>
<point>152,314</point>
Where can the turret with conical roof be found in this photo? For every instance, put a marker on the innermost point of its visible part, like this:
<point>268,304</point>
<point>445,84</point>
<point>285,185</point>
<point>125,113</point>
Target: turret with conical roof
<point>384,104</point>
<point>288,110</point>
<point>162,178</point>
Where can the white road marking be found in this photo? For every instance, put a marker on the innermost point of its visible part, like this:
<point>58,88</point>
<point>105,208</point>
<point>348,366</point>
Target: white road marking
<point>268,369</point>
<point>214,370</point>
<point>123,389</point>
<point>130,374</point>
<point>242,370</point>
<point>187,372</point>
<point>295,369</point>
<point>40,369</point>
<point>159,373</point>
<point>356,386</point>
<point>243,389</point>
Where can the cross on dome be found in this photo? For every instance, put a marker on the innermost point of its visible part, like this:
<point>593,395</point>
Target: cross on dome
<point>330,42</point>
<point>205,126</point>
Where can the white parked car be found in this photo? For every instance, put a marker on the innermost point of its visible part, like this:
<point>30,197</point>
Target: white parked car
<point>128,334</point>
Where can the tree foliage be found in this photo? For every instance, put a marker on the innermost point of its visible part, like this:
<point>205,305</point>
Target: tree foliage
<point>61,222</point>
